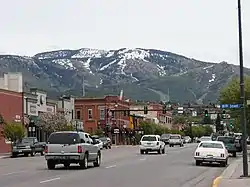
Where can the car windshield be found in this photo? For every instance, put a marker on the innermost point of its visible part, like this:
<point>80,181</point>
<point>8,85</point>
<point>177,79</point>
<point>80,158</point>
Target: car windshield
<point>149,138</point>
<point>206,138</point>
<point>103,139</point>
<point>64,138</point>
<point>26,140</point>
<point>211,145</point>
<point>174,137</point>
<point>165,136</point>
<point>226,140</point>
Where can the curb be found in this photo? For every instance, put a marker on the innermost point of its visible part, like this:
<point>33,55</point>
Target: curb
<point>227,173</point>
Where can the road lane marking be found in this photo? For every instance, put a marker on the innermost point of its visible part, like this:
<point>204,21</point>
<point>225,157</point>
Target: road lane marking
<point>143,159</point>
<point>110,166</point>
<point>50,180</point>
<point>216,182</point>
<point>12,173</point>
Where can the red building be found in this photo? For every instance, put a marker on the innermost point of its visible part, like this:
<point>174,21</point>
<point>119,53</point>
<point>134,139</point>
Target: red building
<point>11,109</point>
<point>97,112</point>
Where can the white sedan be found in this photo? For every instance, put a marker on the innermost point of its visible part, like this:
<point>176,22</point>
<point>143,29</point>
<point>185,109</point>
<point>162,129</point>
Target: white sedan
<point>211,151</point>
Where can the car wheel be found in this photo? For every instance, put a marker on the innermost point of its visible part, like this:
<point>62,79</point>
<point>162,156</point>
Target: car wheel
<point>197,163</point>
<point>14,155</point>
<point>163,150</point>
<point>109,147</point>
<point>84,163</point>
<point>159,151</point>
<point>66,165</point>
<point>97,161</point>
<point>223,164</point>
<point>26,154</point>
<point>51,164</point>
<point>142,152</point>
<point>32,153</point>
<point>234,154</point>
<point>42,153</point>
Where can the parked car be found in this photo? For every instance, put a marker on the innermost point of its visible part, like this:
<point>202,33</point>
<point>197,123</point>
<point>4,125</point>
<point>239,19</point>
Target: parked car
<point>106,142</point>
<point>28,146</point>
<point>238,143</point>
<point>229,142</point>
<point>165,138</point>
<point>97,141</point>
<point>211,151</point>
<point>151,143</point>
<point>187,139</point>
<point>175,139</point>
<point>71,147</point>
<point>248,140</point>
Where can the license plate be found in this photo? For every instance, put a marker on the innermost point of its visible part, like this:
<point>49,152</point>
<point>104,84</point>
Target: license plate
<point>63,157</point>
<point>210,155</point>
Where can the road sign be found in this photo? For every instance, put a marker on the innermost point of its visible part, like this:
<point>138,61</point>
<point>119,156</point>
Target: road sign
<point>230,106</point>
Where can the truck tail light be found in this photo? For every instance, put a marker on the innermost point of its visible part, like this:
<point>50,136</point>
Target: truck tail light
<point>79,149</point>
<point>197,154</point>
<point>46,149</point>
<point>222,155</point>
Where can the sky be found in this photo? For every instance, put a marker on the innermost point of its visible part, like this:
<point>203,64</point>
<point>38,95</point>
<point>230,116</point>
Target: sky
<point>202,29</point>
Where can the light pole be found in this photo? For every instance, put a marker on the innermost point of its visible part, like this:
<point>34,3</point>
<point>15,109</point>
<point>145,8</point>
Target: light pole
<point>242,95</point>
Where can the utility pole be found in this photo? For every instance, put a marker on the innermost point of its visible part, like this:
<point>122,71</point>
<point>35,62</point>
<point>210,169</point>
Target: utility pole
<point>242,95</point>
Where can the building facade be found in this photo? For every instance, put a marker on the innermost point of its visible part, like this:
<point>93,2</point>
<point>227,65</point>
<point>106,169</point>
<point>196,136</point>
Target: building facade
<point>105,113</point>
<point>12,82</point>
<point>11,110</point>
<point>66,106</point>
<point>35,103</point>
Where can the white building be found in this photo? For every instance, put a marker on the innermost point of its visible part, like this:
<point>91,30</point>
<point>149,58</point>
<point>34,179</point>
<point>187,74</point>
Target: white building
<point>66,105</point>
<point>12,82</point>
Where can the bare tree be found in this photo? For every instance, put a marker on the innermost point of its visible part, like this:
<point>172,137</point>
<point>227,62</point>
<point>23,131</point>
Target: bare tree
<point>50,122</point>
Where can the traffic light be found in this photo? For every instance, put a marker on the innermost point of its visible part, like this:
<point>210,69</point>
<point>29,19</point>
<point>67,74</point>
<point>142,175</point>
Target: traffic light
<point>145,109</point>
<point>164,109</point>
<point>206,113</point>
<point>223,114</point>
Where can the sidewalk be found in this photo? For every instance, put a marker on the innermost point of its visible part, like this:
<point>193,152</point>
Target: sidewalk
<point>231,177</point>
<point>4,155</point>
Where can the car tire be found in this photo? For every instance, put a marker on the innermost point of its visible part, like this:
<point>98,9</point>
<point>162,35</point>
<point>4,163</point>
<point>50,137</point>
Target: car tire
<point>14,155</point>
<point>109,147</point>
<point>42,153</point>
<point>159,151</point>
<point>224,164</point>
<point>163,150</point>
<point>142,152</point>
<point>26,154</point>
<point>32,153</point>
<point>97,161</point>
<point>66,165</point>
<point>51,164</point>
<point>234,154</point>
<point>84,164</point>
<point>197,163</point>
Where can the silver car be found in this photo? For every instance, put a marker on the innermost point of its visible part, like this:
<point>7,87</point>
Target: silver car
<point>71,147</point>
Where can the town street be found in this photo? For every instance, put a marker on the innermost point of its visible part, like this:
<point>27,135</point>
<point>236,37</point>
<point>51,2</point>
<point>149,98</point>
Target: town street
<point>121,167</point>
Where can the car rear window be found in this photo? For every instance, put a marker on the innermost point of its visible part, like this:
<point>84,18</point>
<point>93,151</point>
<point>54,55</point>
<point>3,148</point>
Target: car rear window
<point>226,139</point>
<point>175,137</point>
<point>64,138</point>
<point>149,138</point>
<point>211,145</point>
<point>165,136</point>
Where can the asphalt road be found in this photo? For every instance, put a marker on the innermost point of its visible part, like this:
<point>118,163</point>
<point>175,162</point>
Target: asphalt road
<point>121,167</point>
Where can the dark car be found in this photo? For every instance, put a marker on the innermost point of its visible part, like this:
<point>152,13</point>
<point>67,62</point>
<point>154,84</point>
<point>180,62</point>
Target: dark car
<point>28,145</point>
<point>229,142</point>
<point>106,142</point>
<point>238,143</point>
<point>165,138</point>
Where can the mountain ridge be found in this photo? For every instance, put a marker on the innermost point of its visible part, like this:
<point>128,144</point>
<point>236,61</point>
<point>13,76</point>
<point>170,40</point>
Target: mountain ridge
<point>144,74</point>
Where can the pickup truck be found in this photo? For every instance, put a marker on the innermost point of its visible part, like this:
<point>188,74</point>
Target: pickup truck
<point>67,147</point>
<point>28,145</point>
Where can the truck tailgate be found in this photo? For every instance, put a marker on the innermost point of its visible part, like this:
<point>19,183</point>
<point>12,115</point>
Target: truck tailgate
<point>57,149</point>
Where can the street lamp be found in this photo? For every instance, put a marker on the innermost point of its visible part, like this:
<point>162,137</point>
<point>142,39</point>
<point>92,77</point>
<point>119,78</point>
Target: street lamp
<point>242,95</point>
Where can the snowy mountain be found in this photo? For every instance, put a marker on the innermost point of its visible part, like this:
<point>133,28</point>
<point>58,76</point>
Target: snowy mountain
<point>144,74</point>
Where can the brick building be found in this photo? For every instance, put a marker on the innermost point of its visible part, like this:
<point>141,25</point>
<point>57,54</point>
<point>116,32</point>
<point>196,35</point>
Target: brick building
<point>11,109</point>
<point>97,112</point>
